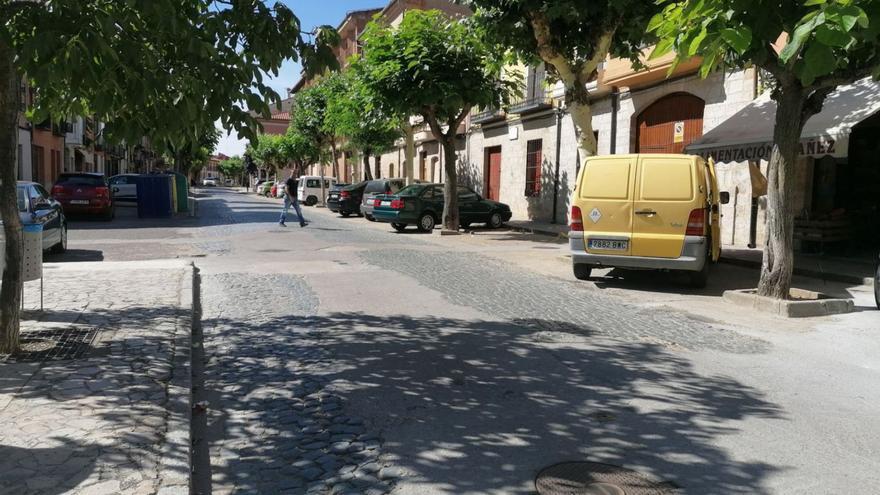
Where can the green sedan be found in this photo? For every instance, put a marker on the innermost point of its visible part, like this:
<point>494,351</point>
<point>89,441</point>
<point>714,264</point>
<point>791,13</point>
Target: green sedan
<point>422,205</point>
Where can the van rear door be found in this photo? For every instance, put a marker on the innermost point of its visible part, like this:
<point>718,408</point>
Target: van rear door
<point>605,198</point>
<point>666,193</point>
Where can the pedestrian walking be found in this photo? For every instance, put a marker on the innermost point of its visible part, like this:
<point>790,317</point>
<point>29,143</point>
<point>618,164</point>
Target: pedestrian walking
<point>291,200</point>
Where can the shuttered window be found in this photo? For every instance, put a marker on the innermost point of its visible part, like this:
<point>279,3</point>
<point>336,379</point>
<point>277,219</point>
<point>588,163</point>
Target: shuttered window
<point>533,167</point>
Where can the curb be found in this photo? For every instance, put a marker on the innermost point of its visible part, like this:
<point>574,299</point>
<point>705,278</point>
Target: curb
<point>175,465</point>
<point>538,231</point>
<point>806,272</point>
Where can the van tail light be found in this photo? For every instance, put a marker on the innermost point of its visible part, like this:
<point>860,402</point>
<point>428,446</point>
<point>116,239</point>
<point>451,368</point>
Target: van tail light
<point>397,204</point>
<point>58,190</point>
<point>576,224</point>
<point>102,192</point>
<point>344,195</point>
<point>696,223</point>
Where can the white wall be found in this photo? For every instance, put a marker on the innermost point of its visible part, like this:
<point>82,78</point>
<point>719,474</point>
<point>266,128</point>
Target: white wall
<point>23,155</point>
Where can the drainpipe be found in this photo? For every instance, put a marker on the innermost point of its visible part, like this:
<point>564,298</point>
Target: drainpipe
<point>615,99</point>
<point>559,114</point>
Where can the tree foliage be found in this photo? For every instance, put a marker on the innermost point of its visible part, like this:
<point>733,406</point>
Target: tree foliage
<point>355,112</point>
<point>809,47</point>
<point>439,68</point>
<point>572,37</point>
<point>138,62</point>
<point>300,149</point>
<point>232,167</point>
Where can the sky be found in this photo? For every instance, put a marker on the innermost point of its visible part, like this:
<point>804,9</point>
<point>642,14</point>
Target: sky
<point>311,13</point>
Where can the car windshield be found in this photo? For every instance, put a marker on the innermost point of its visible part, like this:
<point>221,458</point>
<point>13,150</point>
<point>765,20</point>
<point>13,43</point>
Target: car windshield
<point>412,190</point>
<point>81,180</point>
<point>22,199</point>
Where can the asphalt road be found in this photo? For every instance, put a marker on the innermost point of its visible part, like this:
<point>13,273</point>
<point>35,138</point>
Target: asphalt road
<point>346,358</point>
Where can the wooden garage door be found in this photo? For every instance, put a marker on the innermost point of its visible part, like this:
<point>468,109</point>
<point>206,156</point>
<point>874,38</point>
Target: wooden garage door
<point>671,123</point>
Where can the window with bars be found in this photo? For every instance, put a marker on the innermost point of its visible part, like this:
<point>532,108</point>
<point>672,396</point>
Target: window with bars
<point>533,167</point>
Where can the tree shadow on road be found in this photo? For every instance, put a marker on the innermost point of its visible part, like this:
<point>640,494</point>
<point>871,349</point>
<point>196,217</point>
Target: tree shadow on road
<point>475,406</point>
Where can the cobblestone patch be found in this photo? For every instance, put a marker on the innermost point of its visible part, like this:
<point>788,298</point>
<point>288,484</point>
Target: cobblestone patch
<point>274,425</point>
<point>98,424</point>
<point>525,297</point>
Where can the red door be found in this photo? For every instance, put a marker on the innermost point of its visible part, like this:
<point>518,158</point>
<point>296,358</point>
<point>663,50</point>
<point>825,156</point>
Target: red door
<point>670,124</point>
<point>493,173</point>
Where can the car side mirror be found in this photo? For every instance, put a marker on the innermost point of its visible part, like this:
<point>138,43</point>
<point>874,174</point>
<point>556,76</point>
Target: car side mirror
<point>724,197</point>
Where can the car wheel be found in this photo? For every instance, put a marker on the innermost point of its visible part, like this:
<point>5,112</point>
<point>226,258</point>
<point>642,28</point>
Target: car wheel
<point>464,225</point>
<point>370,218</point>
<point>400,227</point>
<point>311,201</point>
<point>877,287</point>
<point>427,222</point>
<point>495,221</point>
<point>345,214</point>
<point>61,247</point>
<point>581,271</point>
<point>109,214</point>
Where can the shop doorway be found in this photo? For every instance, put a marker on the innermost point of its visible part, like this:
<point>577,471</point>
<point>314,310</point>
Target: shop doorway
<point>670,124</point>
<point>492,173</point>
<point>854,185</point>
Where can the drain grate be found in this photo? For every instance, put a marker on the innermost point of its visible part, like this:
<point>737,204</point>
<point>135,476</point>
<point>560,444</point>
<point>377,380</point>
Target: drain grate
<point>53,345</point>
<point>593,478</point>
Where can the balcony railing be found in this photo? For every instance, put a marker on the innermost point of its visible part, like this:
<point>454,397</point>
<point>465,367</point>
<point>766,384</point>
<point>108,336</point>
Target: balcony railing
<point>487,115</point>
<point>533,103</point>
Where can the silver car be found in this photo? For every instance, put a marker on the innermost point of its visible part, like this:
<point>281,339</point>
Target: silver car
<point>123,187</point>
<point>375,188</point>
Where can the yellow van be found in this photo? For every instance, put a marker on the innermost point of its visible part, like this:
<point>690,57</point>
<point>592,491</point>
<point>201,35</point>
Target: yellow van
<point>646,212</point>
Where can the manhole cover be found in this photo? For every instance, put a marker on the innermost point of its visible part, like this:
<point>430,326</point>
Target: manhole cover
<point>53,345</point>
<point>593,478</point>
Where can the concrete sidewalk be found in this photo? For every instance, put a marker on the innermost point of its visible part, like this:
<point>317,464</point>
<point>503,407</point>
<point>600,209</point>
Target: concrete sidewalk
<point>853,271</point>
<point>100,400</point>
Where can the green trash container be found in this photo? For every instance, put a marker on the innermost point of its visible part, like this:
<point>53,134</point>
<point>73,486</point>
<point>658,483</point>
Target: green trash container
<point>181,184</point>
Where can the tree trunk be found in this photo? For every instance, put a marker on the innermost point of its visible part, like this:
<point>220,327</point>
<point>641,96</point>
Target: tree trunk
<point>778,262</point>
<point>450,186</point>
<point>410,153</point>
<point>377,162</point>
<point>10,292</point>
<point>335,162</point>
<point>367,174</point>
<point>577,99</point>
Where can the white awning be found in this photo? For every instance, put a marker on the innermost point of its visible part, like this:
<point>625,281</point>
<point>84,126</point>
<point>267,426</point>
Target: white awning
<point>748,134</point>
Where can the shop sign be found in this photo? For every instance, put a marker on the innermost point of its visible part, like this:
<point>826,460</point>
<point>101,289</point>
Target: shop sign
<point>814,146</point>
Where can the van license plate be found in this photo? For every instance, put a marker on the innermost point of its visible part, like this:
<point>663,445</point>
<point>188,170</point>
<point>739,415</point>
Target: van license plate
<point>79,201</point>
<point>609,245</point>
<point>386,203</point>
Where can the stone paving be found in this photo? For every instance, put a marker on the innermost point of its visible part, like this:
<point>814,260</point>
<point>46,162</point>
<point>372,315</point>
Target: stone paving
<point>115,420</point>
<point>522,297</point>
<point>274,424</point>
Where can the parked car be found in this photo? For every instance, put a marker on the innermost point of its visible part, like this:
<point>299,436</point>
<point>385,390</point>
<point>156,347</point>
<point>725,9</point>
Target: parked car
<point>375,188</point>
<point>646,211</point>
<point>422,205</point>
<point>333,197</point>
<point>209,182</point>
<point>228,182</point>
<point>309,189</point>
<point>84,193</point>
<point>265,188</point>
<point>123,187</point>
<point>36,205</point>
<point>349,200</point>
<point>258,184</point>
